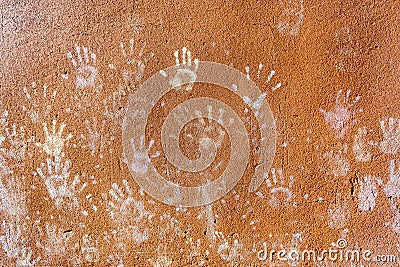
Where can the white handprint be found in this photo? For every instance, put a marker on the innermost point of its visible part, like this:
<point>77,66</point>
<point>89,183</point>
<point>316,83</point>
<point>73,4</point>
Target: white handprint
<point>338,117</point>
<point>97,137</point>
<point>141,159</point>
<point>17,144</point>
<point>89,248</point>
<point>338,213</point>
<point>53,243</point>
<point>229,252</point>
<point>186,73</point>
<point>128,215</point>
<point>115,260</point>
<point>56,181</point>
<point>392,188</point>
<point>25,258</point>
<point>392,191</point>
<point>368,192</point>
<point>391,136</point>
<point>338,164</point>
<point>57,175</point>
<point>292,18</point>
<point>54,142</point>
<point>114,109</point>
<point>86,72</point>
<point>12,239</point>
<point>135,62</point>
<point>40,103</point>
<point>360,149</point>
<point>12,198</point>
<point>278,187</point>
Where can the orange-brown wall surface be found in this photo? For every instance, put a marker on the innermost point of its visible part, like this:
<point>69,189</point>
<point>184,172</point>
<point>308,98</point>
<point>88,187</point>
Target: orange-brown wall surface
<point>328,70</point>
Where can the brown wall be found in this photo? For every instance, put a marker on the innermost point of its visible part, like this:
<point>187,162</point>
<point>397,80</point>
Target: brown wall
<point>62,194</point>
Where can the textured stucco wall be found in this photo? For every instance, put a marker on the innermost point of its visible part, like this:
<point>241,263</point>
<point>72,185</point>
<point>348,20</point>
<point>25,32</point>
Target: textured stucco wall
<point>330,74</point>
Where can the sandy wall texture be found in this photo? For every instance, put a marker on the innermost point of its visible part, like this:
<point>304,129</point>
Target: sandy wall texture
<point>124,143</point>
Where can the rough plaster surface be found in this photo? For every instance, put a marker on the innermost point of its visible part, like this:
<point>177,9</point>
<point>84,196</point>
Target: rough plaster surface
<point>329,71</point>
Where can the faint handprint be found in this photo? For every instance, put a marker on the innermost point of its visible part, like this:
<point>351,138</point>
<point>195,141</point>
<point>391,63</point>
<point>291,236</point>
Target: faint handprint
<point>368,192</point>
<point>280,189</point>
<point>392,188</point>
<point>141,159</point>
<point>128,215</point>
<point>391,136</point>
<point>56,179</point>
<point>360,146</point>
<point>339,117</point>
